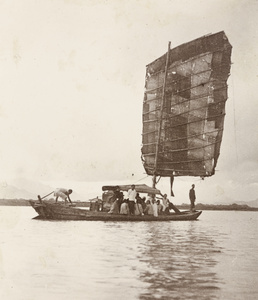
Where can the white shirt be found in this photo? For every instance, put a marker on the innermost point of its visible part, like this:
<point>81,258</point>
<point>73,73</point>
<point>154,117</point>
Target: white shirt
<point>131,194</point>
<point>60,192</point>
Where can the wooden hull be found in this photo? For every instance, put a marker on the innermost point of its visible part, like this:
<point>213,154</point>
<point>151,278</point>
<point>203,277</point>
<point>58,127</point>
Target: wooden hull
<point>58,211</point>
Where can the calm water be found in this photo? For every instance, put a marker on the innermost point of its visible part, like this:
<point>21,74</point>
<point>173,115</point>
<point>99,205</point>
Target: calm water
<point>213,258</point>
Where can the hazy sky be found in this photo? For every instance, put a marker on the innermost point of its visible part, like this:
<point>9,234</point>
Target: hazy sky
<point>72,85</point>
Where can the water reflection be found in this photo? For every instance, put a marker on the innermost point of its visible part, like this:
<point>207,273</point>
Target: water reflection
<point>214,258</point>
<point>180,262</point>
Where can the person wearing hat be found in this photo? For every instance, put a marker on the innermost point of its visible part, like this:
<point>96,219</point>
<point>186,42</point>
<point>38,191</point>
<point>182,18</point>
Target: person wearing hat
<point>63,193</point>
<point>192,197</point>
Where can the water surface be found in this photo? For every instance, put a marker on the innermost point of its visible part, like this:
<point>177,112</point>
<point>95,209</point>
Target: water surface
<point>213,258</point>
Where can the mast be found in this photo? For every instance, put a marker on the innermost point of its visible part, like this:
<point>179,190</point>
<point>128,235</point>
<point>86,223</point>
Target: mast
<point>160,120</point>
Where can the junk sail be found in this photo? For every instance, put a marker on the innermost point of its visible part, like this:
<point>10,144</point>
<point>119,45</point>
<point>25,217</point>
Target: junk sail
<point>184,108</point>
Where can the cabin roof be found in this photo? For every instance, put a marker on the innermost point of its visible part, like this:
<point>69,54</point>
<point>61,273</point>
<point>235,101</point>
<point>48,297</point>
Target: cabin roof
<point>140,188</point>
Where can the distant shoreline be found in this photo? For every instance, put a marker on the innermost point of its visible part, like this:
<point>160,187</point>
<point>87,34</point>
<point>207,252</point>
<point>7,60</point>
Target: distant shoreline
<point>234,206</point>
<point>199,206</point>
<point>23,202</point>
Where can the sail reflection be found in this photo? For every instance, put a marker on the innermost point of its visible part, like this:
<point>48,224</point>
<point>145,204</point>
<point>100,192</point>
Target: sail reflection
<point>180,263</point>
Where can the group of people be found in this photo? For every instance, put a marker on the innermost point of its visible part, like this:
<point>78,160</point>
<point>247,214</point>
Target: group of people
<point>133,204</point>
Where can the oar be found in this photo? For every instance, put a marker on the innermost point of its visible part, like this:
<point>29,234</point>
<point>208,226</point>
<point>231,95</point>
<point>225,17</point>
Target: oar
<point>40,199</point>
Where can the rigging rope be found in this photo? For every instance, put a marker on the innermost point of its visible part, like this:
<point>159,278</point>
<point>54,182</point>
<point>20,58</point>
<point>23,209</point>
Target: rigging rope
<point>142,179</point>
<point>234,114</point>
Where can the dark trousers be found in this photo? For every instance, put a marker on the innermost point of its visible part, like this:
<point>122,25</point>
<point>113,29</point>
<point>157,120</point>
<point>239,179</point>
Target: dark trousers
<point>192,205</point>
<point>131,207</point>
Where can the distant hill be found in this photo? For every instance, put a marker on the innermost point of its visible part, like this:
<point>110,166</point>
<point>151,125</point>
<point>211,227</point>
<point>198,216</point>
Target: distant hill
<point>253,203</point>
<point>20,188</point>
<point>31,186</point>
<point>12,192</point>
<point>228,201</point>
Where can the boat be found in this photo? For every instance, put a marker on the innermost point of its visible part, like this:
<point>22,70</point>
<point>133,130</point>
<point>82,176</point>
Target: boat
<point>183,122</point>
<point>50,210</point>
<point>61,211</point>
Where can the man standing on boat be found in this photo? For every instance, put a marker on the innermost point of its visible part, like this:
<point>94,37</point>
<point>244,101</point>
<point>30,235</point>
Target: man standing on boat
<point>63,193</point>
<point>192,197</point>
<point>131,197</point>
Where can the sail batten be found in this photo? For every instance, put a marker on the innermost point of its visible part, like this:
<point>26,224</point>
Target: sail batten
<point>193,98</point>
<point>184,108</point>
<point>164,118</point>
<point>190,122</point>
<point>208,133</point>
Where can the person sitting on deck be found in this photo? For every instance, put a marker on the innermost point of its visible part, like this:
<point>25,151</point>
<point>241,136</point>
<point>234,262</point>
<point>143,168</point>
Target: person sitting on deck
<point>138,197</point>
<point>138,211</point>
<point>148,209</point>
<point>63,193</point>
<point>159,207</point>
<point>115,207</point>
<point>119,196</point>
<point>143,203</point>
<point>124,210</point>
<point>154,207</point>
